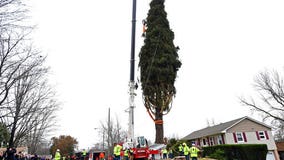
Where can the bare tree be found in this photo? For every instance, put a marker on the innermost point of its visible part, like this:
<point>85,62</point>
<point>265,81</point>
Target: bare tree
<point>41,120</point>
<point>12,14</point>
<point>270,101</point>
<point>116,133</point>
<point>30,109</point>
<point>279,129</point>
<point>27,102</point>
<point>9,64</point>
<point>14,49</point>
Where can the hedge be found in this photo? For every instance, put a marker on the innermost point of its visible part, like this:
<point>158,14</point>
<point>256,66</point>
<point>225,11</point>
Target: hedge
<point>236,152</point>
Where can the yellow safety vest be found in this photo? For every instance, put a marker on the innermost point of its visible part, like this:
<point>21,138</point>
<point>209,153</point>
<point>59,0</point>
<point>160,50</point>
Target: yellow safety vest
<point>193,151</point>
<point>185,150</point>
<point>116,150</point>
<point>126,153</point>
<point>57,156</point>
<point>180,148</point>
<point>84,153</point>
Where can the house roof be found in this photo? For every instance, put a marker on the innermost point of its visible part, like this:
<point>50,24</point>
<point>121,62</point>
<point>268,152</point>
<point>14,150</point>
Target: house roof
<point>222,127</point>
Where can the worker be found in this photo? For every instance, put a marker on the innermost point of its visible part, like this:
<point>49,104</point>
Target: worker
<point>180,149</point>
<point>121,152</point>
<point>10,154</point>
<point>130,153</point>
<point>193,152</point>
<point>171,154</point>
<point>73,157</point>
<point>57,155</point>
<point>165,153</point>
<point>144,22</point>
<point>84,153</point>
<point>126,154</point>
<point>185,151</point>
<point>102,156</point>
<point>116,151</point>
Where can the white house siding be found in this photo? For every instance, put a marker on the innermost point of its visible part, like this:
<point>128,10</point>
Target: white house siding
<point>252,139</point>
<point>247,126</point>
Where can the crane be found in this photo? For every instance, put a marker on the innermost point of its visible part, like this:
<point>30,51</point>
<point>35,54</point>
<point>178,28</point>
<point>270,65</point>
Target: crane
<point>131,84</point>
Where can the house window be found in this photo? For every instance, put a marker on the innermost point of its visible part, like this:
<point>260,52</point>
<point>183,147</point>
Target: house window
<point>240,137</point>
<point>262,135</point>
<point>204,142</point>
<point>211,139</point>
<point>219,139</point>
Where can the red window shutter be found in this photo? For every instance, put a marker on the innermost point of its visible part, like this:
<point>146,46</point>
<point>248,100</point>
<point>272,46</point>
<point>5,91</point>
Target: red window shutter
<point>266,135</point>
<point>223,140</point>
<point>235,137</point>
<point>208,142</point>
<point>257,135</point>
<point>244,135</point>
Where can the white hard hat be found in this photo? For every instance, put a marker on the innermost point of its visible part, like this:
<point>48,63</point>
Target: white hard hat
<point>57,150</point>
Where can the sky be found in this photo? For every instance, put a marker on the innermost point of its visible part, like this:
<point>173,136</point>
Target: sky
<point>223,45</point>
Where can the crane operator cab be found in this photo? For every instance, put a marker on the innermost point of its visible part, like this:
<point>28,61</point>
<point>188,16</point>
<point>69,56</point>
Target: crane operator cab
<point>141,142</point>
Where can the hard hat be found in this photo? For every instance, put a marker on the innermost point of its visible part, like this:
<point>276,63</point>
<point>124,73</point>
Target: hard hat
<point>183,143</point>
<point>57,150</point>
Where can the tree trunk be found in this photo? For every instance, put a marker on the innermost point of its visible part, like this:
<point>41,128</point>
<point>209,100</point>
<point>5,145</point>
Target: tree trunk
<point>159,128</point>
<point>12,135</point>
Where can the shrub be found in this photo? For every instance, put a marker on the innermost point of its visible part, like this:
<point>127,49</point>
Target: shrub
<point>238,151</point>
<point>218,154</point>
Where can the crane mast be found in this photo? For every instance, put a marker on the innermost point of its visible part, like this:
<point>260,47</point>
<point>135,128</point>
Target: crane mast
<point>132,86</point>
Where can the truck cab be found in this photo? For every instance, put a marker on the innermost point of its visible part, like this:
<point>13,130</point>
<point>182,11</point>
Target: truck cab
<point>141,150</point>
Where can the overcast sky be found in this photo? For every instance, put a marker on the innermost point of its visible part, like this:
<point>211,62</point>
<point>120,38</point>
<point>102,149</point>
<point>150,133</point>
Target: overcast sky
<point>223,44</point>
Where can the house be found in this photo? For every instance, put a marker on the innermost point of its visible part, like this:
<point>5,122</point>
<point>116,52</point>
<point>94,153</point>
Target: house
<point>243,130</point>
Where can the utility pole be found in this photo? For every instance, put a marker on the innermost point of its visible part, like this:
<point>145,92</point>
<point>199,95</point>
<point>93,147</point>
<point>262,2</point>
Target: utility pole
<point>103,140</point>
<point>108,134</point>
<point>132,86</point>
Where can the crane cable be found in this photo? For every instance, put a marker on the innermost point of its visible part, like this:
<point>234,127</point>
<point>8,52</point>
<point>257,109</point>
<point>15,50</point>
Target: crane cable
<point>150,68</point>
<point>159,121</point>
<point>147,80</point>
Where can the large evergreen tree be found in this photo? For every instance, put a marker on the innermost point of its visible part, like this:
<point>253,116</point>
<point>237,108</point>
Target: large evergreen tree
<point>158,64</point>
